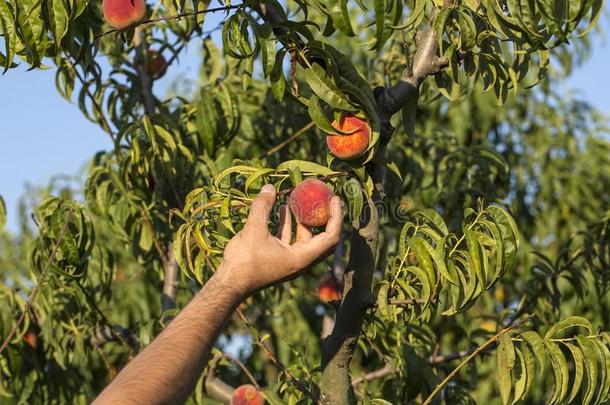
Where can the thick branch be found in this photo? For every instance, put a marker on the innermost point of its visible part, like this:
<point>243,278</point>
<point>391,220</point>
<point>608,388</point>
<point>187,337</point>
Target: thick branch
<point>170,280</point>
<point>215,387</point>
<point>340,345</point>
<point>405,93</point>
<point>139,41</point>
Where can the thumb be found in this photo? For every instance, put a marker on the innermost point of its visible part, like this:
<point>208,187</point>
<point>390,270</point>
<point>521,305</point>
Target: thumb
<point>260,209</point>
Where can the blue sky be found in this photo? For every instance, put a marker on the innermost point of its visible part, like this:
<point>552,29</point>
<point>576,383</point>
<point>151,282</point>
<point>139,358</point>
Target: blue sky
<point>41,134</point>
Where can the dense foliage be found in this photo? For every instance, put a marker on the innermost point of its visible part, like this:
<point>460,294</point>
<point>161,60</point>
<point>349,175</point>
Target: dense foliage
<point>476,251</point>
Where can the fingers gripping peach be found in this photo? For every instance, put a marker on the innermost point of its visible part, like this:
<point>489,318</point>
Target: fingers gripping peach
<point>121,14</point>
<point>310,202</point>
<point>353,145</point>
<point>247,394</point>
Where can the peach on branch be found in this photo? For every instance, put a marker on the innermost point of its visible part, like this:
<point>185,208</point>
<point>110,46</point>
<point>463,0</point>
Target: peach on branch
<point>155,64</point>
<point>310,202</point>
<point>31,338</point>
<point>329,289</point>
<point>247,394</point>
<point>355,143</point>
<point>121,14</point>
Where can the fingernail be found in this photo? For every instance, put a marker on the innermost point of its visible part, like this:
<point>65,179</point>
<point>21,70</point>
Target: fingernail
<point>267,188</point>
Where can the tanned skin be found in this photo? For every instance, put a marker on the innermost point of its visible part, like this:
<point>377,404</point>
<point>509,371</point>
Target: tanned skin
<point>166,371</point>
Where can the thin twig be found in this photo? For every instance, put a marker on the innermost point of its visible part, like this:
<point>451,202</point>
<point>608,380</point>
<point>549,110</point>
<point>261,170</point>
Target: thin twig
<point>28,302</point>
<point>174,17</point>
<point>472,355</point>
<point>432,360</point>
<point>277,362</point>
<point>373,375</point>
<point>244,369</point>
<point>97,309</point>
<point>102,117</point>
<point>407,302</point>
<point>214,386</point>
<point>290,139</point>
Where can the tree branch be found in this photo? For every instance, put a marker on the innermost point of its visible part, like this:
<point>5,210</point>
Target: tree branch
<point>339,347</point>
<point>290,139</point>
<point>170,265</point>
<point>405,93</point>
<point>175,17</point>
<point>373,375</point>
<point>170,280</point>
<point>215,387</point>
<point>492,340</point>
<point>43,273</point>
<point>141,63</point>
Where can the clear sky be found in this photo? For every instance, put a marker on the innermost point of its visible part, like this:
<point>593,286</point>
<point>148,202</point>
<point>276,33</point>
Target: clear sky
<point>41,134</point>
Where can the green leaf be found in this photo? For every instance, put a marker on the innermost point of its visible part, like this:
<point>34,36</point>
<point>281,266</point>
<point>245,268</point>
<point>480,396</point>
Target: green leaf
<point>506,362</point>
<point>570,322</point>
<point>325,89</point>
<point>579,370</point>
<point>2,213</point>
<point>590,359</point>
<point>537,345</point>
<point>251,180</point>
<point>560,372</point>
<point>521,383</point>
<point>305,166</point>
<point>337,9</point>
<point>206,118</point>
<point>355,198</point>
<point>276,77</point>
<point>59,20</point>
<point>146,238</point>
<point>318,117</point>
<point>7,23</point>
<point>424,260</point>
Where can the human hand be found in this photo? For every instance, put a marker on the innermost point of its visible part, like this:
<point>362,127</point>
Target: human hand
<point>255,259</point>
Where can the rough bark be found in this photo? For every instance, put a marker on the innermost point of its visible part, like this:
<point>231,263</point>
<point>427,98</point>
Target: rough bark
<point>335,385</point>
<point>339,346</point>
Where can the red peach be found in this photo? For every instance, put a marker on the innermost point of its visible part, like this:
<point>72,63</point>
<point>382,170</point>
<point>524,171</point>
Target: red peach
<point>31,338</point>
<point>310,202</point>
<point>353,145</point>
<point>329,289</point>
<point>156,64</point>
<point>247,394</point>
<point>121,14</point>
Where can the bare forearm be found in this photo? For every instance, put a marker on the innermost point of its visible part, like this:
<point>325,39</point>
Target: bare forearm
<point>168,369</point>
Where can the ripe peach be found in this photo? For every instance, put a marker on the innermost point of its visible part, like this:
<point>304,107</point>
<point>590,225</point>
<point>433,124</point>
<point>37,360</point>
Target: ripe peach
<point>31,338</point>
<point>121,14</point>
<point>247,394</point>
<point>310,202</point>
<point>353,145</point>
<point>156,64</point>
<point>329,289</point>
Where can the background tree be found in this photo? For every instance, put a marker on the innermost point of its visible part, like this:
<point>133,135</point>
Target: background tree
<point>477,244</point>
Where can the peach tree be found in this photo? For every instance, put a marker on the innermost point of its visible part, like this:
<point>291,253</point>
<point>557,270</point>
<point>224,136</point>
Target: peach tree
<point>475,260</point>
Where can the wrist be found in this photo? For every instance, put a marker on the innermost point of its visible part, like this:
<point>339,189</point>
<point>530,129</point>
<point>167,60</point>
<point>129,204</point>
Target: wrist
<point>227,278</point>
